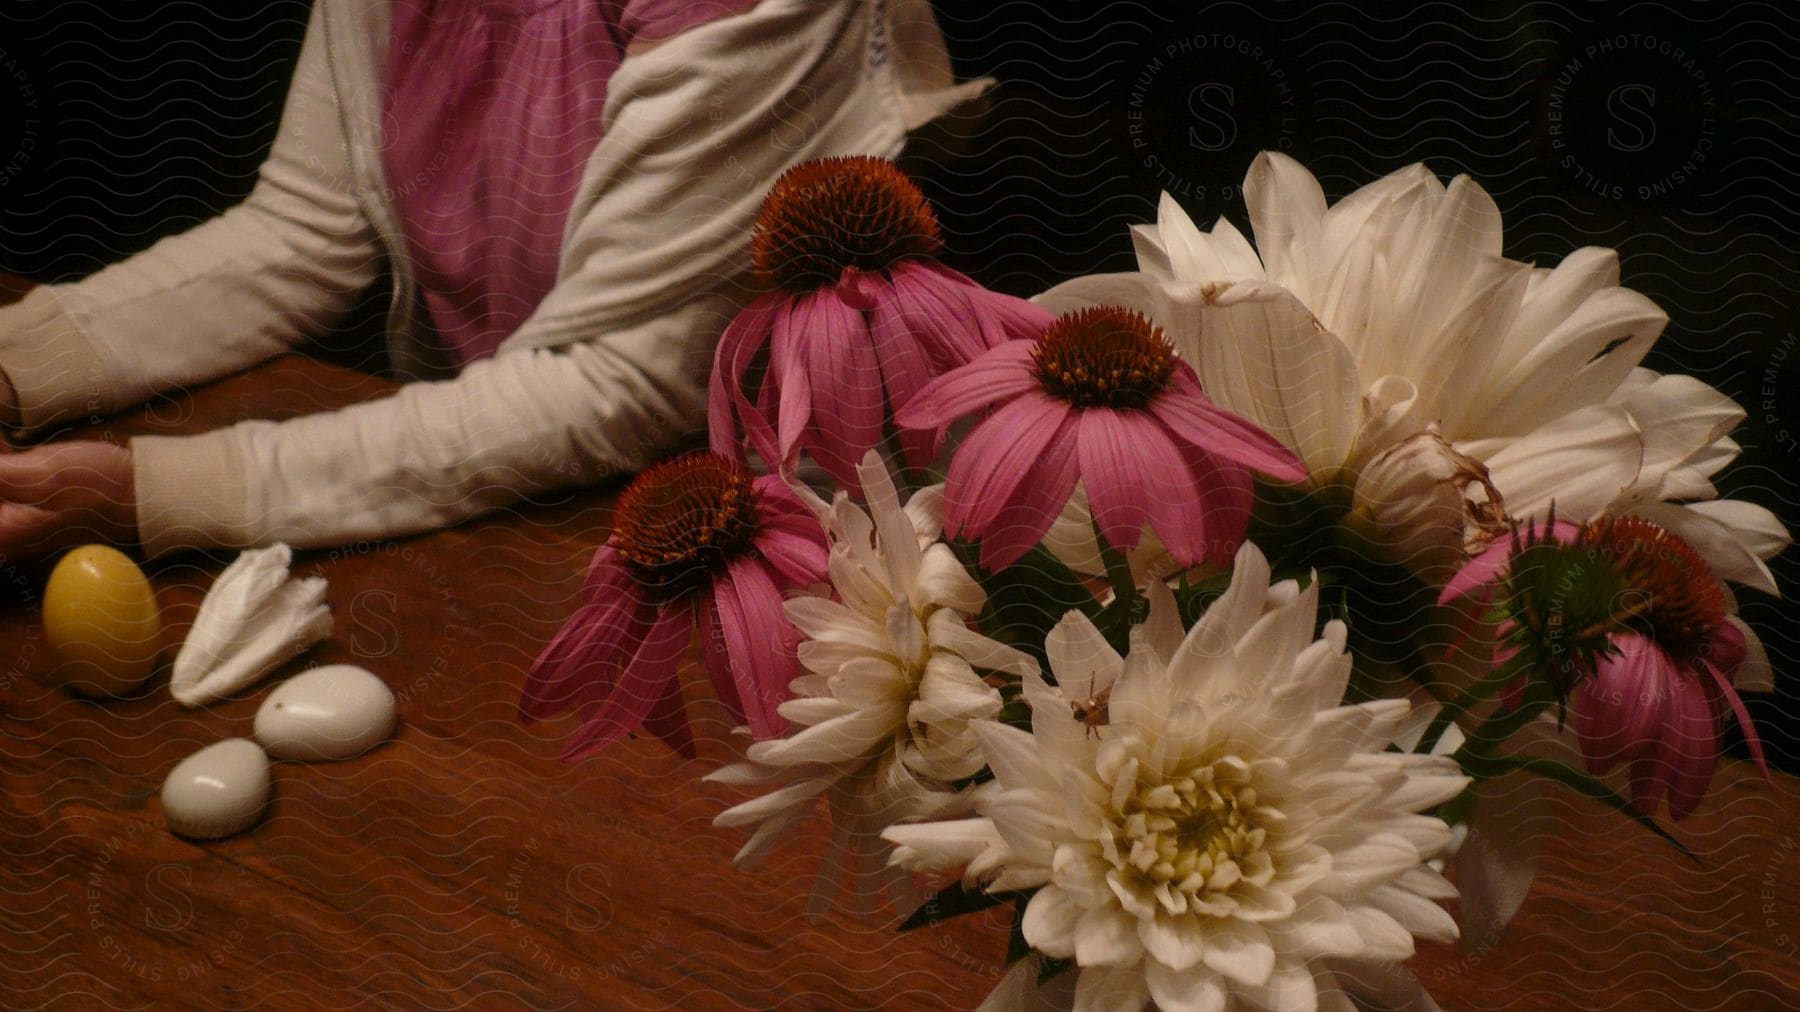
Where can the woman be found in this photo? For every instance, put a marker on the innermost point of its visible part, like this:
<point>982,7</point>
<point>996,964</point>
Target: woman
<point>562,191</point>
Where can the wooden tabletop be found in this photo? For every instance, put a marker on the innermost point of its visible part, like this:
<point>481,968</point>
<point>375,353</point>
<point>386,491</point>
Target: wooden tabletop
<point>463,865</point>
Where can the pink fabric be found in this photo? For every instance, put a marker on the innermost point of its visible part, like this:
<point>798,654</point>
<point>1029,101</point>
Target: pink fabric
<point>491,109</point>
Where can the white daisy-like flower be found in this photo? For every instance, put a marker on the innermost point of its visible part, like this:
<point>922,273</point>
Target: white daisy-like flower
<point>1231,835</point>
<point>1392,313</point>
<point>882,715</point>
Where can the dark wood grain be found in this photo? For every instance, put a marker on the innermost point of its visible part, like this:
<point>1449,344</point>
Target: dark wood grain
<point>462,864</point>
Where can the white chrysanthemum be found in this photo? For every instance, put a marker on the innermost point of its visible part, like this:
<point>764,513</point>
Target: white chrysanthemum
<point>1232,836</point>
<point>1364,323</point>
<point>882,716</point>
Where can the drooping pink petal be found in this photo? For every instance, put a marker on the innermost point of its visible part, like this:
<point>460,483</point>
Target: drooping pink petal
<point>727,406</point>
<point>1227,494</point>
<point>1727,655</point>
<point>717,658</point>
<point>1118,470</point>
<point>797,554</point>
<point>1600,716</point>
<point>1478,572</point>
<point>588,650</point>
<point>759,642</point>
<point>1183,408</point>
<point>994,465</point>
<point>998,318</point>
<point>905,369</point>
<point>954,319</point>
<point>668,722</point>
<point>1022,523</point>
<point>606,576</point>
<point>1000,375</point>
<point>789,362</point>
<point>849,403</point>
<point>1689,746</point>
<point>648,677</point>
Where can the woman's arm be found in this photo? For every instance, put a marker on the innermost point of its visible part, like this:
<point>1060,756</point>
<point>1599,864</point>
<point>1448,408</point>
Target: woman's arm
<point>610,371</point>
<point>249,284</point>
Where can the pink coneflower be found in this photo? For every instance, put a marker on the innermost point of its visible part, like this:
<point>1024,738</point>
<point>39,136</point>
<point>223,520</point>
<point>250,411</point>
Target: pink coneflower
<point>858,318</point>
<point>696,541</point>
<point>1099,397</point>
<point>1627,621</point>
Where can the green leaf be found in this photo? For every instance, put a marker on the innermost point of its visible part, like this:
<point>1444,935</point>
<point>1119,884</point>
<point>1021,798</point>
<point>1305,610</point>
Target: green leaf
<point>954,900</point>
<point>1027,598</point>
<point>1192,599</point>
<point>1488,766</point>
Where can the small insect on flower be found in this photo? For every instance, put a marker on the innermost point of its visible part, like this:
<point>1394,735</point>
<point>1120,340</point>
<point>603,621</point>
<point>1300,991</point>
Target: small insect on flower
<point>1091,712</point>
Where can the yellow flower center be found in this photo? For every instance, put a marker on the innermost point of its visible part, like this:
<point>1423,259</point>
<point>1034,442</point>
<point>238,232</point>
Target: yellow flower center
<point>1189,840</point>
<point>677,522</point>
<point>823,216</point>
<point>1103,357</point>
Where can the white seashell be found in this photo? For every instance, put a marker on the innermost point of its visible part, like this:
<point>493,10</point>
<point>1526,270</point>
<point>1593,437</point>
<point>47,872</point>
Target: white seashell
<point>220,790</point>
<point>331,712</point>
<point>253,620</point>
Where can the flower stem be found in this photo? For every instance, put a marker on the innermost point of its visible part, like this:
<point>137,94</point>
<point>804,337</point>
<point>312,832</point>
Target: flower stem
<point>1501,726</point>
<point>1127,607</point>
<point>1484,689</point>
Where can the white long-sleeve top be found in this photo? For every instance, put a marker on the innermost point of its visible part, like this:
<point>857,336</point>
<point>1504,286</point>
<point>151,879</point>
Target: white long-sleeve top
<point>605,375</point>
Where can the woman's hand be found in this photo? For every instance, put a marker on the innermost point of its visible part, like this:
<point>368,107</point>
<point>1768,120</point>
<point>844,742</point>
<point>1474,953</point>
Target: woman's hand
<point>54,497</point>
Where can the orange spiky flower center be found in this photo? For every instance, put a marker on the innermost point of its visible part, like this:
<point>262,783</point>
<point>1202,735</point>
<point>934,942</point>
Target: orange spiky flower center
<point>824,216</point>
<point>1667,592</point>
<point>1104,356</point>
<point>678,522</point>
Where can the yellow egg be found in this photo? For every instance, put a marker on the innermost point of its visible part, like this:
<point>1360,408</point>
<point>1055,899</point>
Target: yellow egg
<point>101,621</point>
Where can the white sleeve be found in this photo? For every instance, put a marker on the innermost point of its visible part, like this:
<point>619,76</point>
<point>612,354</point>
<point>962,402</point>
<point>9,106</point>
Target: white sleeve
<point>611,368</point>
<point>228,293</point>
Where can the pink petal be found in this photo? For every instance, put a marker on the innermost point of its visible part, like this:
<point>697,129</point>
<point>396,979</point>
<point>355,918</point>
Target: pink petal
<point>1227,494</point>
<point>849,403</point>
<point>1022,523</point>
<point>1689,747</point>
<point>1729,694</point>
<point>718,660</point>
<point>648,678</point>
<point>669,723</point>
<point>1119,462</point>
<point>995,464</point>
<point>1000,375</point>
<point>789,361</point>
<point>905,370</point>
<point>932,303</point>
<point>587,651</point>
<point>759,642</point>
<point>747,335</point>
<point>1478,572</point>
<point>1186,410</point>
<point>800,559</point>
<point>999,318</point>
<point>606,576</point>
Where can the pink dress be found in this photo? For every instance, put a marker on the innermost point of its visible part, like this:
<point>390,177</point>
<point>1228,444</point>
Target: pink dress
<point>491,109</point>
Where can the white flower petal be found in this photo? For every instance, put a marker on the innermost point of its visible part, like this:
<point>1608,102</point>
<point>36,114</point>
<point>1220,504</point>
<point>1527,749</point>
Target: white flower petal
<point>1263,356</point>
<point>1049,923</point>
<point>1287,209</point>
<point>1111,989</point>
<point>1179,991</point>
<point>1581,462</point>
<point>1241,951</point>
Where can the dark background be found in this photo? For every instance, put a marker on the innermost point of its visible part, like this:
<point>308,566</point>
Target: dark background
<point>1667,131</point>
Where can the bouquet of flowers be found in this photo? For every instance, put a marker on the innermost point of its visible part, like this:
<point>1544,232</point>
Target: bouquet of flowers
<point>1223,617</point>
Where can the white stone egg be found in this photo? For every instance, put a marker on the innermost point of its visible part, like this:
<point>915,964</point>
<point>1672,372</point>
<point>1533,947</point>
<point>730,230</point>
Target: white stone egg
<point>220,790</point>
<point>330,712</point>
